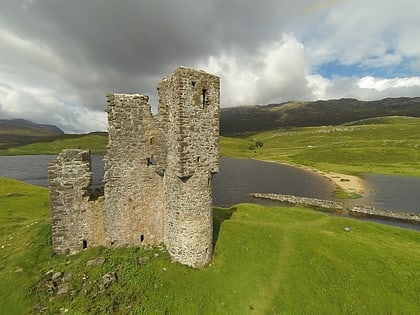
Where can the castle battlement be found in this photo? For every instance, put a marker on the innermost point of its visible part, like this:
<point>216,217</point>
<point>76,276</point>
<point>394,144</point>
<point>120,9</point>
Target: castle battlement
<point>158,173</point>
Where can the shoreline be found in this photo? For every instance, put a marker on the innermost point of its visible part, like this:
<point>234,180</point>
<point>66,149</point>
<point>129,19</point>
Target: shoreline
<point>347,183</point>
<point>344,208</point>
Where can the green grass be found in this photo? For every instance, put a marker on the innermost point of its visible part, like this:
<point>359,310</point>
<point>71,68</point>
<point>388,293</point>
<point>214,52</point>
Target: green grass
<point>388,145</point>
<point>341,194</point>
<point>96,142</point>
<point>24,242</point>
<point>267,260</point>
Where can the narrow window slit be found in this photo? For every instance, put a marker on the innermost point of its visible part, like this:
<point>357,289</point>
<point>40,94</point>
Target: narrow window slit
<point>203,98</point>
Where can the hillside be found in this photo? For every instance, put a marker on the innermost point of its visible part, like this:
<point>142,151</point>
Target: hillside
<point>20,131</point>
<point>95,142</point>
<point>245,119</point>
<point>383,145</point>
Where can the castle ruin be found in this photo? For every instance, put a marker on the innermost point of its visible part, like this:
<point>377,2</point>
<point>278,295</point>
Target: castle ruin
<point>158,174</point>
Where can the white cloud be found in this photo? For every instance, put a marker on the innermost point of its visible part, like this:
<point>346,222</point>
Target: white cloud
<point>276,73</point>
<point>375,33</point>
<point>238,82</point>
<point>281,72</point>
<point>366,88</point>
<point>379,84</point>
<point>42,105</point>
<point>385,60</point>
<point>318,86</point>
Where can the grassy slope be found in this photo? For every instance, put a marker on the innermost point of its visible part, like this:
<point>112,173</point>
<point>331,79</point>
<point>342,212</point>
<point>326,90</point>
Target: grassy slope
<point>20,132</point>
<point>240,120</point>
<point>381,145</point>
<point>267,260</point>
<point>24,241</point>
<point>96,142</point>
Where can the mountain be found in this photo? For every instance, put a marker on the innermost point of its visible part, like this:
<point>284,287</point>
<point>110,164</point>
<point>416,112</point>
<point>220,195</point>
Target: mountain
<point>20,131</point>
<point>237,120</point>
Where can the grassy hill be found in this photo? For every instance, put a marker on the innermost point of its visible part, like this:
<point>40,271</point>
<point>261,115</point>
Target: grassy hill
<point>96,142</point>
<point>267,260</point>
<point>240,120</point>
<point>14,132</point>
<point>25,137</point>
<point>384,145</point>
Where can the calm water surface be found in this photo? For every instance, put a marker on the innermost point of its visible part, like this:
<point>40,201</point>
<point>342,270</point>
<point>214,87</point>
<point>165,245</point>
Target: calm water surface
<point>239,177</point>
<point>235,180</point>
<point>395,192</point>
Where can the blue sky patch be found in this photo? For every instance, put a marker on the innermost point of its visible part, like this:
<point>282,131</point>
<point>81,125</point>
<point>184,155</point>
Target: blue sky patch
<point>337,69</point>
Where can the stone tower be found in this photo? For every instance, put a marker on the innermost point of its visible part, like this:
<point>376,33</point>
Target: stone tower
<point>190,99</point>
<point>158,173</point>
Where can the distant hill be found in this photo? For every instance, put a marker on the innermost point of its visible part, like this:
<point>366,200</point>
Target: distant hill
<point>21,131</point>
<point>237,120</point>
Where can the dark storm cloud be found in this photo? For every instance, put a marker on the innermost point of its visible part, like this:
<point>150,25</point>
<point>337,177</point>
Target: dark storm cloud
<point>129,45</point>
<point>144,36</point>
<point>59,58</point>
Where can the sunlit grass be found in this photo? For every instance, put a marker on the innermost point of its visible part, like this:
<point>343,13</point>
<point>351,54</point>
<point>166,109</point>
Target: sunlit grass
<point>267,260</point>
<point>382,145</point>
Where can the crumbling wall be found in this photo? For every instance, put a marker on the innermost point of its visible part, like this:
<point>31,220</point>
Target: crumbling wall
<point>77,220</point>
<point>133,173</point>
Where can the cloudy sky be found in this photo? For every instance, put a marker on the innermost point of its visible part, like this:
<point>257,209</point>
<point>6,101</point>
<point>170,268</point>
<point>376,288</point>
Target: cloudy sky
<point>59,58</point>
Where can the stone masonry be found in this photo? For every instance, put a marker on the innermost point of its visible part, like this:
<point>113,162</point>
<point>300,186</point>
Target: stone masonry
<point>158,174</point>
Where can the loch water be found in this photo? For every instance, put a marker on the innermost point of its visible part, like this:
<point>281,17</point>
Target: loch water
<point>237,178</point>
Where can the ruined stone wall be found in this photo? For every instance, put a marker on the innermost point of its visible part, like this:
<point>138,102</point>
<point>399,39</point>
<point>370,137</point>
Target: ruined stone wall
<point>158,173</point>
<point>133,179</point>
<point>77,218</point>
<point>351,209</point>
<point>192,99</point>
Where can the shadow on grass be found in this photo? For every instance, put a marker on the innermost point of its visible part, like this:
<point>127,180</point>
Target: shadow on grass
<point>219,216</point>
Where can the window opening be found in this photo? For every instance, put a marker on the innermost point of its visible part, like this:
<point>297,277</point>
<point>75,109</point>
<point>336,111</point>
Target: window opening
<point>203,98</point>
<point>84,244</point>
<point>193,83</point>
<point>141,238</point>
<point>198,159</point>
